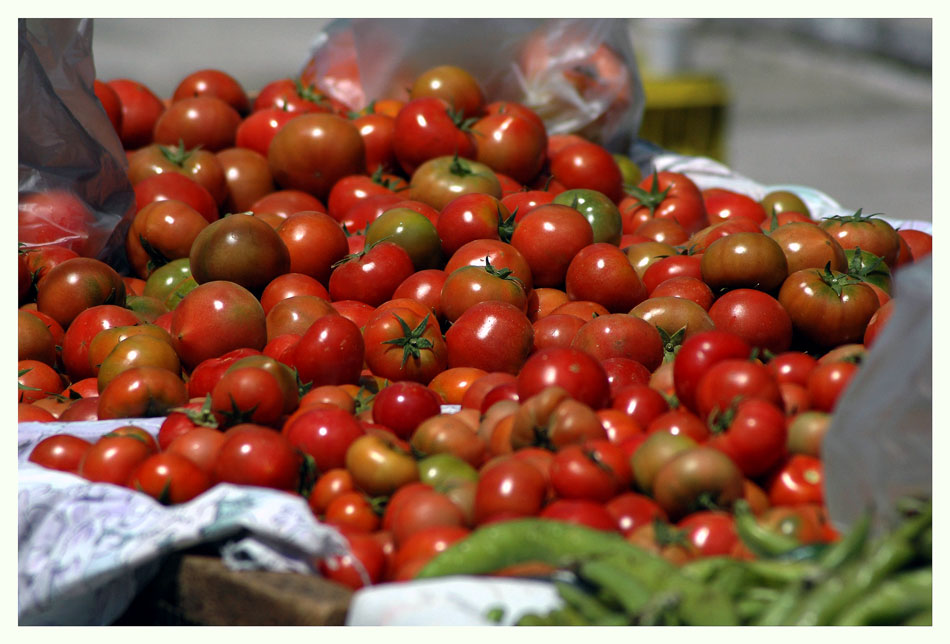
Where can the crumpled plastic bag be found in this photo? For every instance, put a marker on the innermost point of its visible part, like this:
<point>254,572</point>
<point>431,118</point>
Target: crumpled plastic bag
<point>579,74</point>
<point>879,445</point>
<point>67,145</point>
<point>86,549</point>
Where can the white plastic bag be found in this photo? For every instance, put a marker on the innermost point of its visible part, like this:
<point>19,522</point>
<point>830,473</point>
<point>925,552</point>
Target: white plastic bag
<point>580,75</point>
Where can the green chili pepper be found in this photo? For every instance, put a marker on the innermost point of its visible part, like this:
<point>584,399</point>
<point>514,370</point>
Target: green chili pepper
<point>892,601</point>
<point>759,539</point>
<point>499,545</point>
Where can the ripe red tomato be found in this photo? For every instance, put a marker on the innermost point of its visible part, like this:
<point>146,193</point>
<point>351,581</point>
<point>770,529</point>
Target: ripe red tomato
<point>588,165</point>
<point>199,445</point>
<point>711,532</point>
<point>172,185</point>
<point>511,144</point>
<point>456,86</point>
<point>110,103</point>
<point>827,382</point>
<point>631,510</point>
<point>402,406</point>
<point>315,243</point>
<point>580,512</point>
<point>697,354</point>
<point>724,381</point>
<point>169,478</point>
<point>140,110</point>
<point>248,395</point>
<point>141,392</point>
<point>491,335</point>
<point>596,470</point>
<point>426,128</point>
<point>826,307</point>
<point>510,488</point>
<point>257,455</point>
<point>680,422</point>
<point>867,232</point>
<point>113,459</point>
<point>919,242</point>
<point>372,275</point>
<point>580,374</point>
<point>756,317</point>
<point>618,335</point>
<point>722,204</point>
<point>55,217</point>
<point>800,479</point>
<point>405,344</point>
<point>664,195</point>
<point>330,352</point>
<point>363,565</point>
<point>62,452</point>
<point>601,273</point>
<point>549,237</point>
<point>75,285</point>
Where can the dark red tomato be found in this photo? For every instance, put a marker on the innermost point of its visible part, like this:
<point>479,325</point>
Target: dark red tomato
<point>470,217</point>
<point>469,285</point>
<point>329,485</point>
<point>722,204</point>
<point>286,202</point>
<point>356,312</point>
<point>362,214</point>
<point>257,130</point>
<point>402,406</point>
<point>867,232</point>
<point>29,413</point>
<point>549,237</point>
<point>680,422</point>
<point>140,109</point>
<point>480,252</point>
<point>110,103</point>
<point>670,267</point>
<point>800,479</point>
<point>63,452</point>
<point>555,330</point>
<point>378,131</point>
<point>711,532</point>
<point>693,479</point>
<point>701,240</point>
<point>296,314</point>
<point>161,232</point>
<point>315,243</point>
<point>457,87</point>
<point>728,379</point>
<point>313,151</point>
<point>214,318</point>
<point>256,455</point>
<point>618,335</point>
<point>588,165</point>
<point>513,487</point>
<point>756,317</point>
<point>330,352</point>
<point>753,434</point>
<point>425,128</point>
<point>631,510</point>
<point>919,242</point>
<point>172,185</point>
<point>364,564</point>
<point>573,369</point>
<point>76,285</point>
<point>524,201</point>
<point>248,395</point>
<point>207,373</point>
<point>641,402</point>
<point>113,459</point>
<point>372,275</point>
<point>83,329</point>
<point>292,96</point>
<point>808,246</point>
<point>405,344</point>
<point>203,121</point>
<point>744,260</point>
<point>877,323</point>
<point>290,285</point>
<point>697,354</point>
<point>511,144</point>
<point>169,478</point>
<point>213,82</point>
<point>55,217</point>
<point>792,366</point>
<point>826,307</point>
<point>40,260</point>
<point>142,392</point>
<point>596,471</point>
<point>199,165</point>
<point>664,195</point>
<point>580,512</point>
<point>666,231</point>
<point>200,445</point>
<point>425,287</point>
<point>601,273</point>
<point>687,288</point>
<point>493,336</point>
<point>827,382</point>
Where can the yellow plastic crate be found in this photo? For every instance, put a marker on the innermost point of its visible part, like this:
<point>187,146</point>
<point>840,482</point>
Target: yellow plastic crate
<point>686,114</point>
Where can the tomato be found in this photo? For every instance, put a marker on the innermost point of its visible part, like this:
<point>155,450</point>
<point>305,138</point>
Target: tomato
<point>828,308</point>
<point>213,82</point>
<point>402,406</point>
<point>601,273</point>
<point>680,422</point>
<point>643,255</point>
<point>162,231</point>
<point>257,130</point>
<point>259,456</point>
<point>744,260</point>
<point>169,478</point>
<point>214,318</point>
<point>549,237</point>
<point>426,128</point>
<point>290,285</point>
<point>725,380</point>
<point>372,275</point>
<point>792,367</point>
<point>469,285</point>
<point>827,382</point>
<point>410,230</point>
<point>802,522</point>
<point>427,509</point>
<point>293,96</point>
<point>402,344</point>
<point>141,392</point>
<point>589,166</point>
<point>312,151</point>
<point>83,329</point>
<point>669,267</point>
<point>492,336</point>
<point>573,369</point>
<point>425,287</point>
<point>522,202</point>
<point>711,532</point>
<point>200,165</point>
<point>75,285</point>
<point>472,216</point>
<point>110,103</point>
<point>675,318</point>
<point>363,565</point>
<point>511,143</point>
<point>919,242</point>
<point>664,195</point>
<point>511,488</point>
<point>595,471</point>
<point>806,431</point>
<point>441,179</point>
<point>722,204</point>
<point>877,323</point>
<point>314,241</point>
<point>55,217</point>
<point>800,479</point>
<point>808,246</point>
<point>501,255</point>
<point>618,335</point>
<point>34,339</point>
<point>422,547</point>
<point>580,512</point>
<point>330,352</point>
<point>295,315</point>
<point>631,510</point>
<point>329,485</point>
<point>140,110</point>
<point>200,445</point>
<point>352,512</point>
<point>247,177</point>
<point>248,395</point>
<point>377,131</point>
<point>63,452</point>
<point>137,350</point>
<point>867,232</point>
<point>555,330</point>
<point>201,120</point>
<point>697,354</point>
<point>172,185</point>
<point>752,433</point>
<point>113,459</point>
<point>694,479</point>
<point>666,231</point>
<point>660,538</point>
<point>756,317</point>
<point>454,85</point>
<point>378,465</point>
<point>241,249</point>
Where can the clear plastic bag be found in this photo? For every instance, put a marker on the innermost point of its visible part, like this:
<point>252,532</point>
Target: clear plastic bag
<point>72,170</point>
<point>580,75</point>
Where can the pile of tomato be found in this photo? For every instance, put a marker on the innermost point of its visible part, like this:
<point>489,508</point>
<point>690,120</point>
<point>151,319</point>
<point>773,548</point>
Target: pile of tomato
<point>430,314</point>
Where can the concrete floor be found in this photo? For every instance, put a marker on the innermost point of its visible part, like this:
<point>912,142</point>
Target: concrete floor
<point>855,126</point>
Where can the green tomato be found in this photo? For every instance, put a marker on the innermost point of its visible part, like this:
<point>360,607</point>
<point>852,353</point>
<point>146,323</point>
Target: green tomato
<point>170,283</point>
<point>411,230</point>
<point>600,211</point>
<point>445,471</point>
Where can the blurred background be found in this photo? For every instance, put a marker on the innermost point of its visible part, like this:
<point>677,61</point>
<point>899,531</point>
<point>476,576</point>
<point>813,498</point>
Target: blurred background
<point>841,105</point>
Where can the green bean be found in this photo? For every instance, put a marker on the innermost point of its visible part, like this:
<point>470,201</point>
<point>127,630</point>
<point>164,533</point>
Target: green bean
<point>628,591</point>
<point>568,616</point>
<point>706,568</point>
<point>894,600</point>
<point>782,608</point>
<point>923,618</point>
<point>747,609</point>
<point>850,546</point>
<point>585,604</point>
<point>759,539</point>
<point>706,607</point>
<point>780,573</point>
<point>925,544</point>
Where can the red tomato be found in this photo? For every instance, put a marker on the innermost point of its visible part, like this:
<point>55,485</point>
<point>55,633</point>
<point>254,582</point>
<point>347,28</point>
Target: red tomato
<point>199,445</point>
<point>722,204</point>
<point>511,487</point>
<point>826,307</point>
<point>756,317</point>
<point>405,344</point>
<point>800,479</point>
<point>172,185</point>
<point>169,478</point>
<point>141,392</point>
<point>315,242</point>
<point>201,120</point>
<point>680,422</point>
<point>140,110</point>
<point>62,452</point>
<point>733,378</point>
<point>256,455</point>
<point>113,459</point>
<point>549,237</point>
<point>618,335</point>
<point>792,367</point>
<point>920,242</point>
<point>425,128</point>
<point>754,435</point>
<point>493,336</point>
<point>248,395</point>
<point>213,82</point>
<point>580,512</point>
<point>597,471</point>
<point>372,275</point>
<point>110,103</point>
<point>664,195</point>
<point>330,352</point>
<point>457,87</point>
<point>711,532</point>
<point>631,510</point>
<point>363,565</point>
<point>402,406</point>
<point>601,273</point>
<point>580,374</point>
<point>697,354</point>
<point>511,144</point>
<point>55,217</point>
<point>590,166</point>
<point>827,382</point>
<point>641,402</point>
<point>427,509</point>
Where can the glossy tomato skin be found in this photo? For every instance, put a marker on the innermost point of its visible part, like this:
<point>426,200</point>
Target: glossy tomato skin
<point>113,459</point>
<point>601,273</point>
<point>580,512</point>
<point>202,120</point>
<point>744,260</point>
<point>867,232</point>
<point>501,255</point>
<point>808,246</point>
<point>140,109</point>
<point>379,464</point>
<point>683,483</point>
<point>469,285</point>
<point>510,488</point>
<point>665,195</point>
<point>259,456</point>
<point>199,165</point>
<point>722,204</point>
<point>697,355</point>
<point>493,336</point>
<point>631,510</point>
<point>405,344</point>
<point>424,129</point>
<point>511,144</point>
<point>312,151</point>
<point>169,478</point>
<point>142,392</point>
<point>76,285</point>
<point>63,452</point>
<point>314,241</point>
<point>330,352</point>
<point>372,275</point>
<point>576,371</point>
<point>590,166</point>
<point>727,379</point>
<point>110,103</point>
<point>618,335</point>
<point>549,237</point>
<point>213,82</point>
<point>827,382</point>
<point>598,209</point>
<point>712,532</point>
<point>826,307</point>
<point>55,217</point>
<point>756,317</point>
<point>161,232</point>
<point>439,180</point>
<point>469,217</point>
<point>755,437</point>
<point>456,86</point>
<point>798,480</point>
<point>172,185</point>
<point>411,230</point>
<point>247,178</point>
